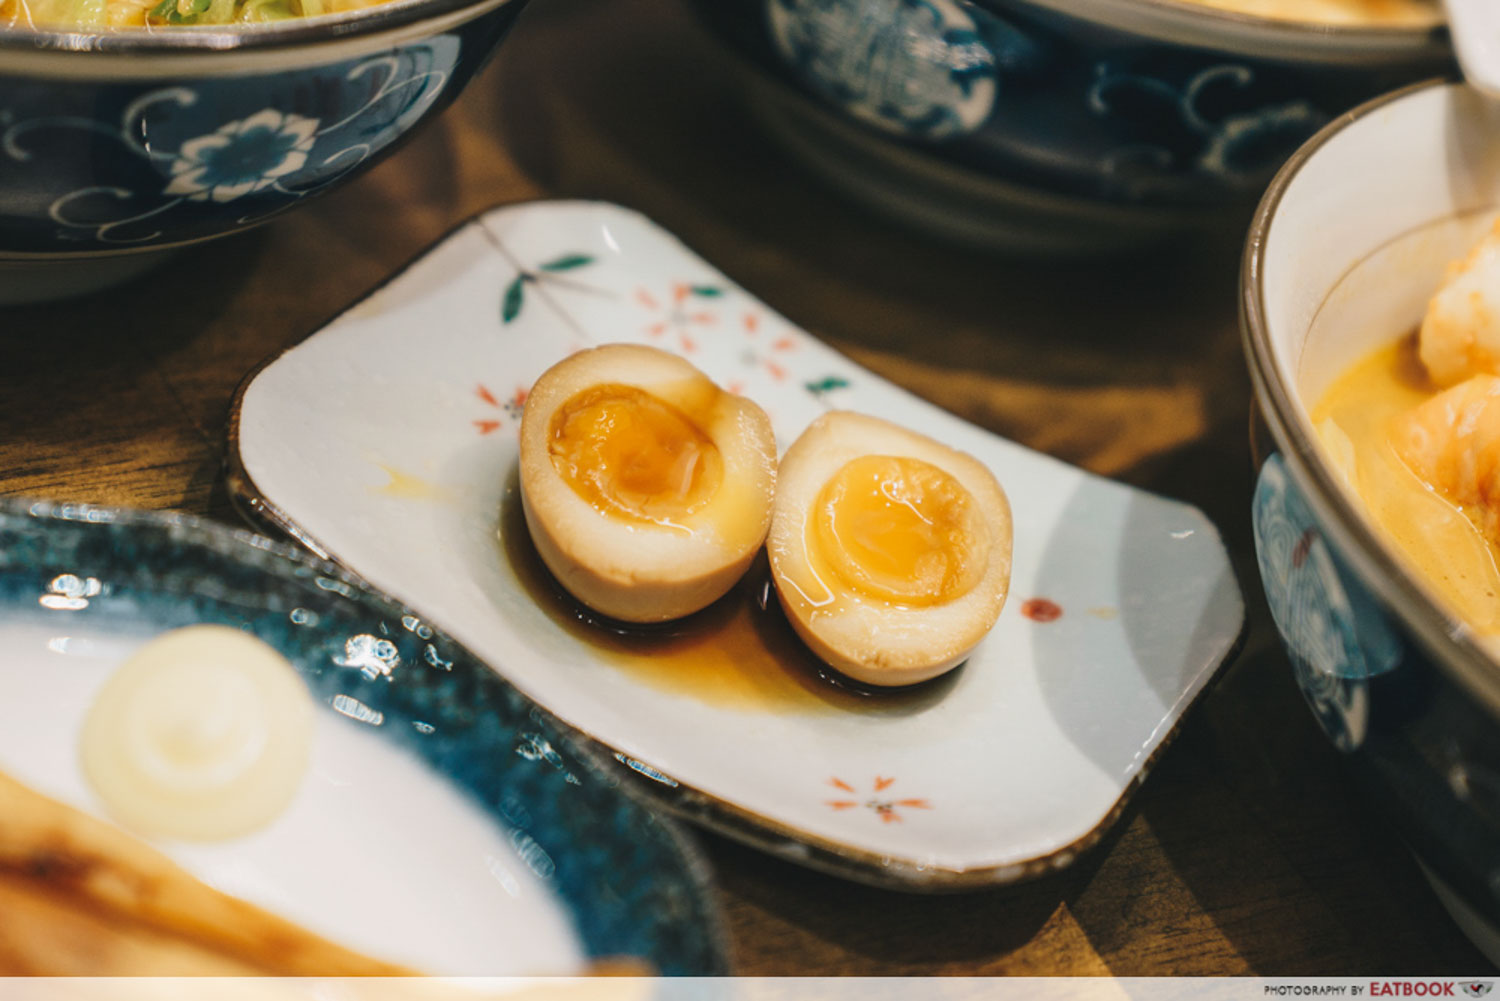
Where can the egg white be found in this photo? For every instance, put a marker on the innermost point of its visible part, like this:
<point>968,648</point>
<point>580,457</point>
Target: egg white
<point>869,639</point>
<point>639,571</point>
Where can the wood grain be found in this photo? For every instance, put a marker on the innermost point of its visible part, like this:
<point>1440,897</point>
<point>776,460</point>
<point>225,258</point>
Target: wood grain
<point>1247,852</point>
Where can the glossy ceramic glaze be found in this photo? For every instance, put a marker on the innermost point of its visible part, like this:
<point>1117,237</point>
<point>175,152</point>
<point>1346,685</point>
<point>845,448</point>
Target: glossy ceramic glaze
<point>1343,259</point>
<point>133,142</point>
<point>388,440</point>
<point>1144,104</point>
<point>445,823</point>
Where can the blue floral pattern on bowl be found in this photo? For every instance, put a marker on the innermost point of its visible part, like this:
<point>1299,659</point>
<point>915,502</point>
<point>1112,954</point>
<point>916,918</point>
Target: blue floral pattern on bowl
<point>1411,733</point>
<point>916,67</point>
<point>1336,635</point>
<point>1057,100</point>
<point>90,167</point>
<point>243,156</point>
<point>1219,123</point>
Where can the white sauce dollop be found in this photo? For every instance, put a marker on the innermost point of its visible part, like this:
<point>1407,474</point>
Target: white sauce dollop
<point>204,734</point>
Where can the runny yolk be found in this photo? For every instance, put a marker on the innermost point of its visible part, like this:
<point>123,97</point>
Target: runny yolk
<point>634,455</point>
<point>901,530</point>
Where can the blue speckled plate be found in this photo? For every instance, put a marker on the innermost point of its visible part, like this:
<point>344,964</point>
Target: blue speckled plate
<point>446,823</point>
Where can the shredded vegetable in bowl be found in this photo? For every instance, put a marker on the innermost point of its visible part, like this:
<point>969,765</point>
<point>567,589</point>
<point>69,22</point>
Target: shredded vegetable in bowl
<point>85,14</point>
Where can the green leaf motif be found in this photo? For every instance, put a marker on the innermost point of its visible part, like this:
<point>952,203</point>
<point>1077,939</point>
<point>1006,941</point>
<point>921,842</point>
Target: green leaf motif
<point>707,291</point>
<point>515,297</point>
<point>568,262</point>
<point>827,384</point>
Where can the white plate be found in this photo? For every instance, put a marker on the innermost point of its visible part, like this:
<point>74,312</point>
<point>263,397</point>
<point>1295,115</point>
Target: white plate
<point>387,442</point>
<point>318,863</point>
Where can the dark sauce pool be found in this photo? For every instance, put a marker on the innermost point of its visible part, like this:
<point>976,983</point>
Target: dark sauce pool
<point>739,652</point>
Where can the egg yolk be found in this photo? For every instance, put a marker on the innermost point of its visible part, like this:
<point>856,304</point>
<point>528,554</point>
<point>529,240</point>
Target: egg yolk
<point>901,530</point>
<point>634,455</point>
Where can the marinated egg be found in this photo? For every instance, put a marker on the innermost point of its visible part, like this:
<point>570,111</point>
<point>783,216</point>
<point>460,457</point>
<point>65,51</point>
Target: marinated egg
<point>890,551</point>
<point>647,489</point>
<point>204,733</point>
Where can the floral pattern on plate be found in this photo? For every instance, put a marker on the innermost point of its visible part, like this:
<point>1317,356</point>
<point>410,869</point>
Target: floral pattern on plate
<point>362,442</point>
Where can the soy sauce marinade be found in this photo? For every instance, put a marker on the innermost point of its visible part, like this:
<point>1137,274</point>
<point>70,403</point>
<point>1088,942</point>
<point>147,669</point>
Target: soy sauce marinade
<point>740,652</point>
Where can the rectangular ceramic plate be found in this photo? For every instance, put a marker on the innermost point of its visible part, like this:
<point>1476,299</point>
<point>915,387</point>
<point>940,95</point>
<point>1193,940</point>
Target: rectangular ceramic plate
<point>387,442</point>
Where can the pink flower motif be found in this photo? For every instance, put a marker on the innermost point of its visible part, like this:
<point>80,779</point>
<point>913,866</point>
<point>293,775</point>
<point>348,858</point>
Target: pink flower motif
<point>885,809</point>
<point>512,407</point>
<point>763,358</point>
<point>676,315</point>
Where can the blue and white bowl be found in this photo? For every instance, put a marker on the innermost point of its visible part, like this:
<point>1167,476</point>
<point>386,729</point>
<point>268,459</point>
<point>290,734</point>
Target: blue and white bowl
<point>118,146</point>
<point>1348,246</point>
<point>1117,114</point>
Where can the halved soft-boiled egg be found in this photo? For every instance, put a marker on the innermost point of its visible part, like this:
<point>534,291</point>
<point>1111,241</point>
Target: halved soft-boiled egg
<point>647,488</point>
<point>890,551</point>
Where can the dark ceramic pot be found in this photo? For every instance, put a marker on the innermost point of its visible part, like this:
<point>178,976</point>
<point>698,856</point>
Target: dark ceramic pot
<point>1123,104</point>
<point>116,144</point>
<point>1341,260</point>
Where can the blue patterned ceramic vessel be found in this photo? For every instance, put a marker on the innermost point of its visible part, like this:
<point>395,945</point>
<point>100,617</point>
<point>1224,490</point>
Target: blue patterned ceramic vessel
<point>1123,104</point>
<point>1342,260</point>
<point>118,144</point>
<point>629,881</point>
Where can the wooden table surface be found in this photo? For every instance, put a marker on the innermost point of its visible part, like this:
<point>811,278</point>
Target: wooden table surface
<point>1246,851</point>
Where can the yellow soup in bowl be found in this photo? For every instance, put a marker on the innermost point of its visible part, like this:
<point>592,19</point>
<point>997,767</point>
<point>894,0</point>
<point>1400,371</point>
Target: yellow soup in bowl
<point>1414,430</point>
<point>1391,13</point>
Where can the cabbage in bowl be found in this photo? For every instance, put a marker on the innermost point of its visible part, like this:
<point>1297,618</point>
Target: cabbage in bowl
<point>95,14</point>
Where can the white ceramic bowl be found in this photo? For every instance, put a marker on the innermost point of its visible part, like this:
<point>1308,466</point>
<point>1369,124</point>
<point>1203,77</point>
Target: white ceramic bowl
<point>1349,244</point>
